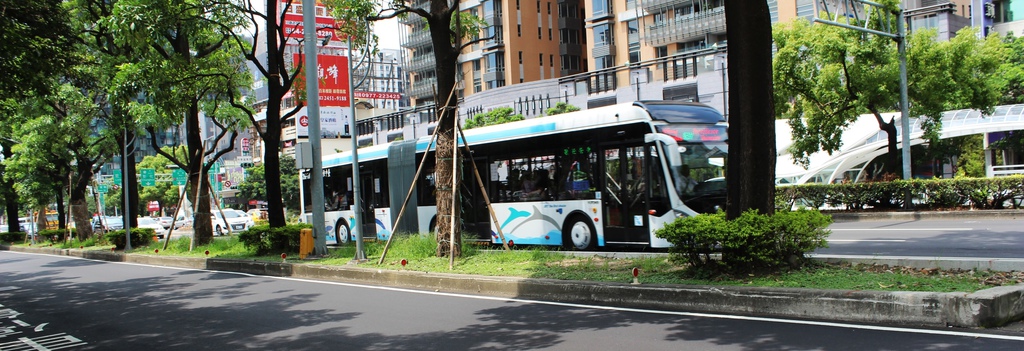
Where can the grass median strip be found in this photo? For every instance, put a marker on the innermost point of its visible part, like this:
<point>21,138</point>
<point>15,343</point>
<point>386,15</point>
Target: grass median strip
<point>419,253</point>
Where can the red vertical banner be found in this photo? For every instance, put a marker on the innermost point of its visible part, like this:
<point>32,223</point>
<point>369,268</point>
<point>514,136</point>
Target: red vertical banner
<point>332,73</point>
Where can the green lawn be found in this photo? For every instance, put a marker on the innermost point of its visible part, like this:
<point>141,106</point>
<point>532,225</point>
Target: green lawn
<point>418,251</point>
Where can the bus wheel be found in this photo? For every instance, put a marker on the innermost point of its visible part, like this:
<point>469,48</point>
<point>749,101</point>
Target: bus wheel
<point>341,233</point>
<point>579,234</point>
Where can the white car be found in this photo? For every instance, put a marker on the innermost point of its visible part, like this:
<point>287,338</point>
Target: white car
<point>151,223</point>
<point>232,219</point>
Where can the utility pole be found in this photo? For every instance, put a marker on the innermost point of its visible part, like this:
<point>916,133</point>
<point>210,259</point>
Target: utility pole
<point>316,179</point>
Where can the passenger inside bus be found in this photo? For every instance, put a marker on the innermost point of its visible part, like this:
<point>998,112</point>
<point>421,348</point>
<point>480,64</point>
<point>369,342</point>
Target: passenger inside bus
<point>536,188</point>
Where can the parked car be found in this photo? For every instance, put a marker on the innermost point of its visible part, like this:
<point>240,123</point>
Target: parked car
<point>165,221</point>
<point>151,223</point>
<point>113,223</point>
<point>183,221</point>
<point>232,219</point>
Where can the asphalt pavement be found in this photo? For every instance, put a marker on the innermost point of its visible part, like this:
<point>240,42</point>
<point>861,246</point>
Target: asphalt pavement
<point>986,308</point>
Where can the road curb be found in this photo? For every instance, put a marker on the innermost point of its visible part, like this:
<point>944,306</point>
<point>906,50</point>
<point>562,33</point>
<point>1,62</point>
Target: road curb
<point>925,215</point>
<point>986,308</point>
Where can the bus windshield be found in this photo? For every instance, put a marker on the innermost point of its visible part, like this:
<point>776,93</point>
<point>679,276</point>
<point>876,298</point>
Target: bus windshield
<point>700,177</point>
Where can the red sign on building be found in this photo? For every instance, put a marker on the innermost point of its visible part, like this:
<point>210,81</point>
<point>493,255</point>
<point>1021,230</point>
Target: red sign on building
<point>293,25</point>
<point>333,76</point>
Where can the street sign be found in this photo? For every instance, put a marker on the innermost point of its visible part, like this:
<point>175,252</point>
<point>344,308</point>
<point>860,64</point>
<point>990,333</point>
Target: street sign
<point>102,188</point>
<point>227,183</point>
<point>179,176</point>
<point>148,177</point>
<point>117,176</point>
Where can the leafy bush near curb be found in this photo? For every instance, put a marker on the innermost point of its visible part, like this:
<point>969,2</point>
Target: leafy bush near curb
<point>55,235</point>
<point>140,237</point>
<point>12,237</point>
<point>979,193</point>
<point>751,242</point>
<point>265,240</point>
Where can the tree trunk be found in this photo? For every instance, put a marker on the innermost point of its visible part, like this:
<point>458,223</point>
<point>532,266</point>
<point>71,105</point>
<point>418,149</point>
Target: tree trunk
<point>7,189</point>
<point>751,166</point>
<point>446,56</point>
<point>80,201</point>
<point>894,166</point>
<point>272,135</point>
<point>61,211</point>
<point>198,174</point>
<point>133,182</point>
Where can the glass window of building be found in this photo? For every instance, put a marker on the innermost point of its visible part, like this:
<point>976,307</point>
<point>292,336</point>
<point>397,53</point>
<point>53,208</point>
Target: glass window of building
<point>601,7</point>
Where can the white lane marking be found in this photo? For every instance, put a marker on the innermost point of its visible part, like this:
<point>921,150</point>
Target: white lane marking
<point>39,328</point>
<point>900,229</point>
<point>866,240</point>
<point>7,288</point>
<point>19,322</point>
<point>596,307</point>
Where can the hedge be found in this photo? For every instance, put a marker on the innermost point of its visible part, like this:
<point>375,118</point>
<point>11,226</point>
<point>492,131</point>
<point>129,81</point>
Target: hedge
<point>140,237</point>
<point>264,240</point>
<point>976,193</point>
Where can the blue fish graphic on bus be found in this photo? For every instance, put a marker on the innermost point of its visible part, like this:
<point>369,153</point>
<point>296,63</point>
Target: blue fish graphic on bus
<point>529,227</point>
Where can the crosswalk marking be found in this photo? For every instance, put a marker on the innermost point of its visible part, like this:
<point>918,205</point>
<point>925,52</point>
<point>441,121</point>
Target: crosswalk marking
<point>43,343</point>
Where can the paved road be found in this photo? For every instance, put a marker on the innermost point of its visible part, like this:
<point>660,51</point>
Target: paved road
<point>50,302</point>
<point>989,238</point>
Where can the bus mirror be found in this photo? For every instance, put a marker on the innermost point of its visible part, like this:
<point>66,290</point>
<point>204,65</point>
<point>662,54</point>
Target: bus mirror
<point>668,147</point>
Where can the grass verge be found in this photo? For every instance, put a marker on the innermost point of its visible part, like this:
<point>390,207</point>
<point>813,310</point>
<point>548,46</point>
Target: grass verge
<point>418,251</point>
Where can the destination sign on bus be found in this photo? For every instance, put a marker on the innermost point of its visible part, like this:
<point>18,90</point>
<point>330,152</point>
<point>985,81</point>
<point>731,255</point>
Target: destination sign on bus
<point>695,133</point>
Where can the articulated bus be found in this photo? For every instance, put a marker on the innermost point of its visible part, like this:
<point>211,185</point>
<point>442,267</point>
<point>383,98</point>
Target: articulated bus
<point>608,176</point>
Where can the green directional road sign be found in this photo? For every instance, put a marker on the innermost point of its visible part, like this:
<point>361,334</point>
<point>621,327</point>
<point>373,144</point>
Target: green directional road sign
<point>117,176</point>
<point>102,188</point>
<point>148,177</point>
<point>179,176</point>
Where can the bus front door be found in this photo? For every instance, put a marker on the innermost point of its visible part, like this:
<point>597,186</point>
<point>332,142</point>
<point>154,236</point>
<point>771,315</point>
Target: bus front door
<point>625,195</point>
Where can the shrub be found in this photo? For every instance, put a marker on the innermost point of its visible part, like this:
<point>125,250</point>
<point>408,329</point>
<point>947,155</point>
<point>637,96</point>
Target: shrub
<point>263,239</point>
<point>140,237</point>
<point>799,232</point>
<point>751,242</point>
<point>13,237</point>
<point>696,238</point>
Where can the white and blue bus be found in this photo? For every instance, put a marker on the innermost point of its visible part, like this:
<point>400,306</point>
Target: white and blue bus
<point>607,176</point>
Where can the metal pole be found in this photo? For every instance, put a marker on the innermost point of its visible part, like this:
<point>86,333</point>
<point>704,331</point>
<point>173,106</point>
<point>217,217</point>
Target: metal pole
<point>124,185</point>
<point>357,204</point>
<point>904,114</point>
<point>316,182</point>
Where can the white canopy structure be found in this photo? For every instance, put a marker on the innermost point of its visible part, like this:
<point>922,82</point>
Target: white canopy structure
<point>863,141</point>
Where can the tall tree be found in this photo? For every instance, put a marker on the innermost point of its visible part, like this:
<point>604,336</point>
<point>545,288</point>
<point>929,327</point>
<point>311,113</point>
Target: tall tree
<point>33,39</point>
<point>750,171</point>
<point>187,67</point>
<point>448,27</point>
<point>280,78</point>
<point>827,76</point>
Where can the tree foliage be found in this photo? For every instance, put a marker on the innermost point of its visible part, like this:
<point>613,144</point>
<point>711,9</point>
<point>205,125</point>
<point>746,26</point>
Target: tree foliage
<point>34,38</point>
<point>252,188</point>
<point>496,116</point>
<point>827,76</point>
<point>186,67</point>
<point>560,108</point>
